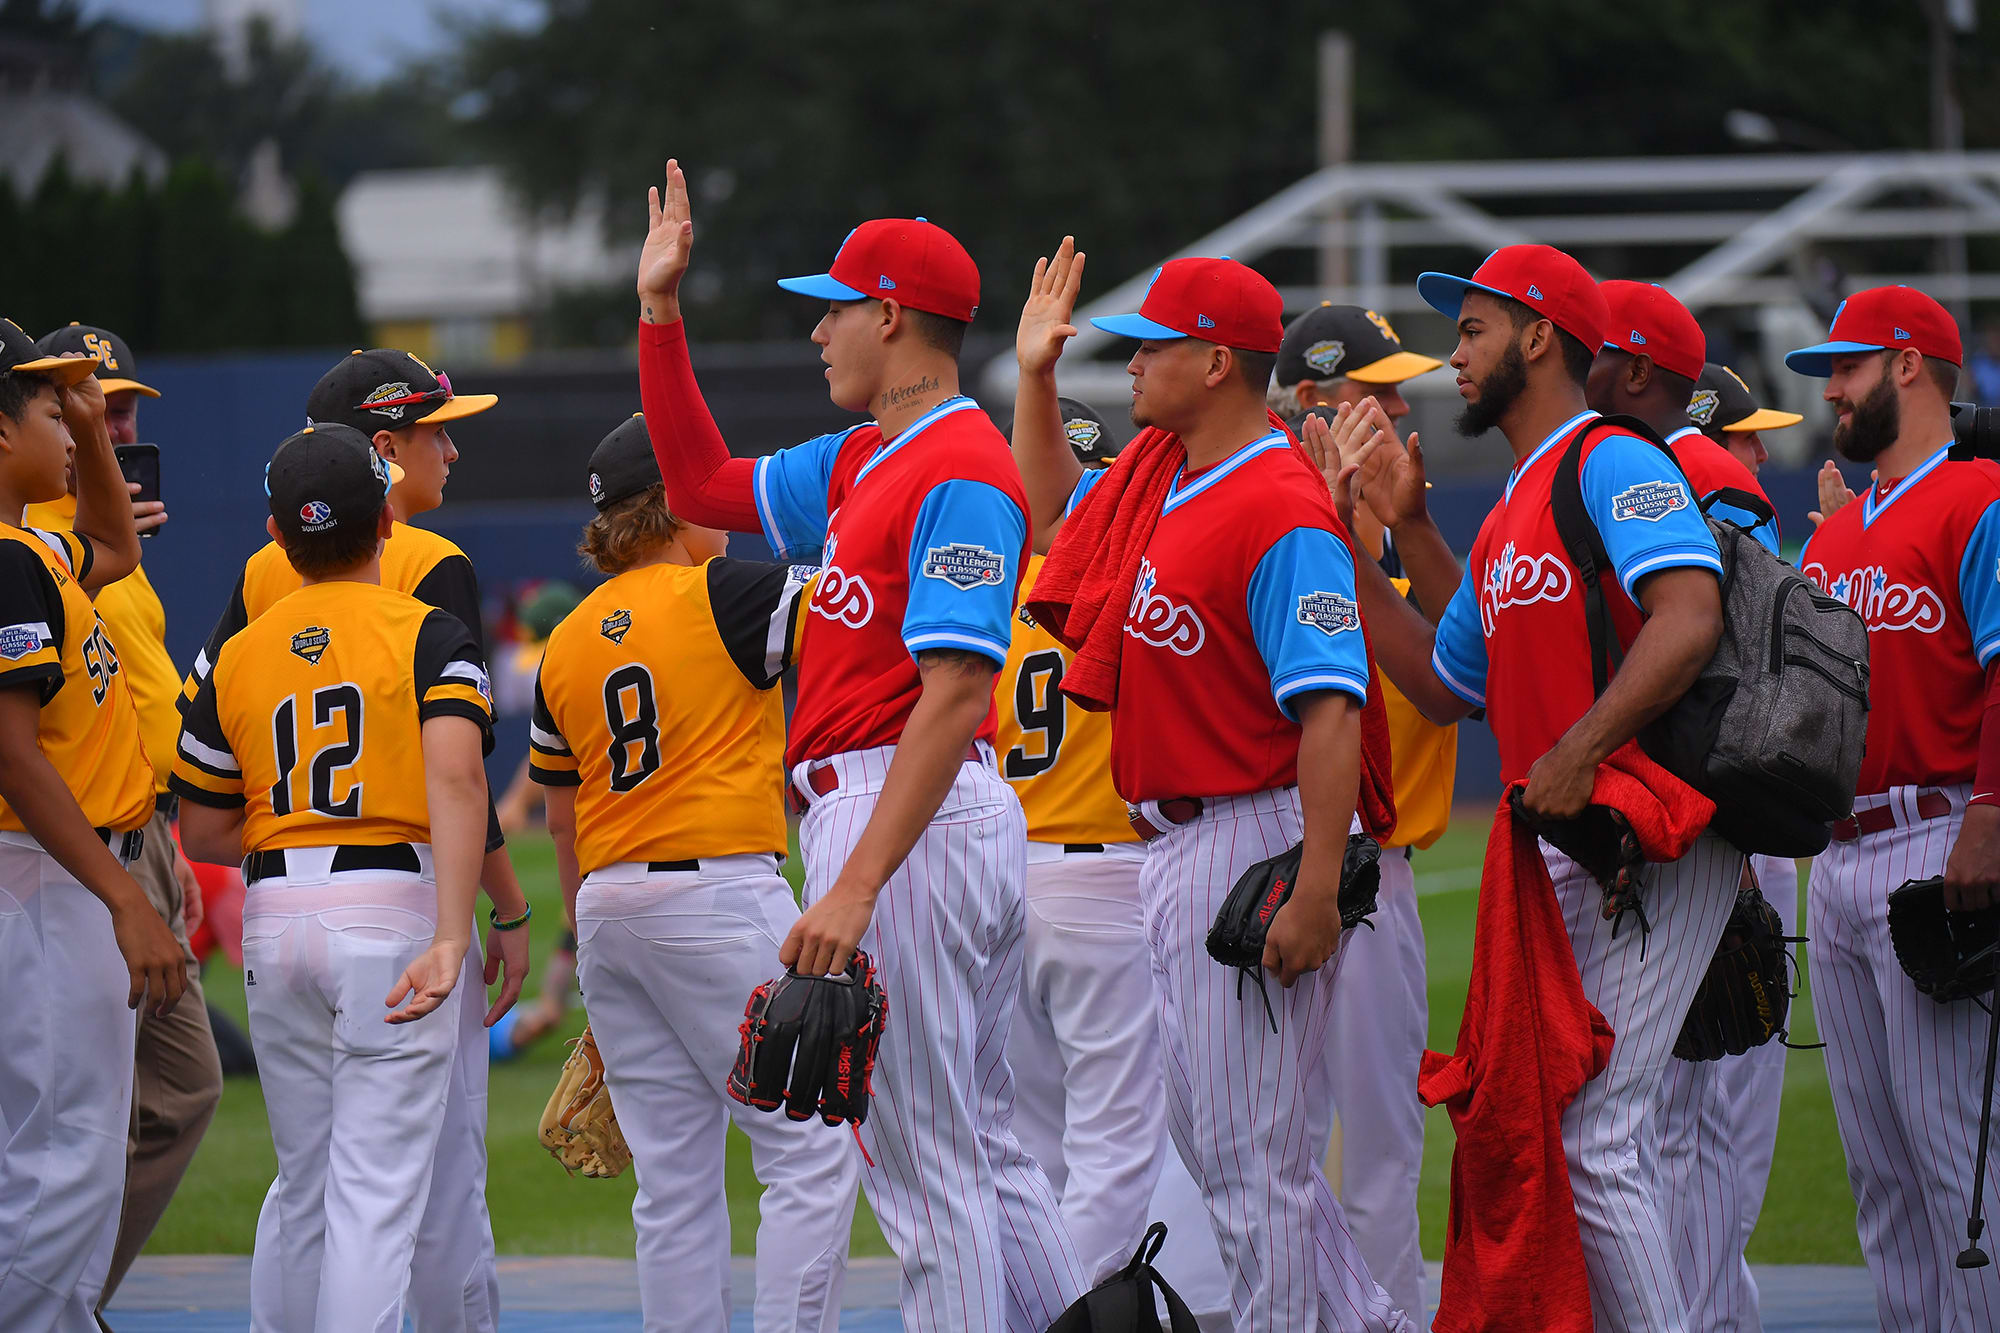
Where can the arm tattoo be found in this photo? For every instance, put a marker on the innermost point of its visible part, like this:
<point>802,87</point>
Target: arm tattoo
<point>956,661</point>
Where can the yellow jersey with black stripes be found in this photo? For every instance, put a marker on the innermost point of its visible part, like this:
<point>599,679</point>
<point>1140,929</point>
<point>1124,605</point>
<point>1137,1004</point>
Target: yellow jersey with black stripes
<point>1423,765</point>
<point>1057,755</point>
<point>414,560</point>
<point>655,701</point>
<point>53,642</point>
<point>312,717</point>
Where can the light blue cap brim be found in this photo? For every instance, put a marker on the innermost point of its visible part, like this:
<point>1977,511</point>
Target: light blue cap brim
<point>821,287</point>
<point>1445,294</point>
<point>1137,326</point>
<point>1817,360</point>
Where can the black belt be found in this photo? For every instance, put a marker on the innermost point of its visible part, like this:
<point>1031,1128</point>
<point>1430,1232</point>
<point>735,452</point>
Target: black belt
<point>659,867</point>
<point>1070,847</point>
<point>125,846</point>
<point>393,856</point>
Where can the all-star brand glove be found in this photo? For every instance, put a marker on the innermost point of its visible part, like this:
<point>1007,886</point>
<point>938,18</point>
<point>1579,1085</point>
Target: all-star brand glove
<point>579,1127</point>
<point>809,1044</point>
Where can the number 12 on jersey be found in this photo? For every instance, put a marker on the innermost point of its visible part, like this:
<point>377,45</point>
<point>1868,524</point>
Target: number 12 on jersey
<point>331,707</point>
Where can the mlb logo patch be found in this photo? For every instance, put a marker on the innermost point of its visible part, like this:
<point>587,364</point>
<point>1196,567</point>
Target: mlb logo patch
<point>616,625</point>
<point>1650,501</point>
<point>964,566</point>
<point>1329,612</point>
<point>17,641</point>
<point>310,643</point>
<point>316,516</point>
<point>1701,407</point>
<point>1324,356</point>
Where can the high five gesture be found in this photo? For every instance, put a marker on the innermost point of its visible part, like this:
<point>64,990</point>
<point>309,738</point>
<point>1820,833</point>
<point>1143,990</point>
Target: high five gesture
<point>669,243</point>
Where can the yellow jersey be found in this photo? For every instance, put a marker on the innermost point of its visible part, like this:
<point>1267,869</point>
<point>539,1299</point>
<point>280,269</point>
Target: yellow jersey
<point>1423,763</point>
<point>1057,755</point>
<point>137,624</point>
<point>655,702</point>
<point>52,640</point>
<point>312,717</point>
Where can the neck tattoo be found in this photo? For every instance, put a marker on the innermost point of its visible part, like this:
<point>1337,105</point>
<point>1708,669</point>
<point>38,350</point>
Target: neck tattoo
<point>906,395</point>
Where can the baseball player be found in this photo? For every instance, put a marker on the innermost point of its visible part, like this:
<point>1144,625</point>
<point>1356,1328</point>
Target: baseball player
<point>1335,355</point>
<point>177,1076</point>
<point>1916,556</point>
<point>300,755</point>
<point>659,738</point>
<point>1718,1119</point>
<point>913,844</point>
<point>404,408</point>
<point>1513,641</point>
<point>80,944</point>
<point>1244,602</point>
<point>1728,413</point>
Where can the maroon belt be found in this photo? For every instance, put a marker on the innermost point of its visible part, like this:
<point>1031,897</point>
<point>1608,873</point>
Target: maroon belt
<point>1176,810</point>
<point>1932,804</point>
<point>822,779</point>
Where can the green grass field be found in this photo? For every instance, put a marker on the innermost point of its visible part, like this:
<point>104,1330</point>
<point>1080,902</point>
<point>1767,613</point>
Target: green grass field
<point>1808,1212</point>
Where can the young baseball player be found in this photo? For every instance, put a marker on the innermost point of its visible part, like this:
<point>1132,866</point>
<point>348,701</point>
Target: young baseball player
<point>1729,414</point>
<point>1244,601</point>
<point>80,945</point>
<point>659,738</point>
<point>1916,556</point>
<point>177,1076</point>
<point>1513,641</point>
<point>397,402</point>
<point>913,844</point>
<point>300,755</point>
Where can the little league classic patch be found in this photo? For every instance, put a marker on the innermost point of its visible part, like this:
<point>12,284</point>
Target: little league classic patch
<point>1329,612</point>
<point>1648,500</point>
<point>964,566</point>
<point>18,641</point>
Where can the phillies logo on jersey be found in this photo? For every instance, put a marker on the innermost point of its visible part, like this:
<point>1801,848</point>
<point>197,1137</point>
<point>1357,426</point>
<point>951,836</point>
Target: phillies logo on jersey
<point>1157,619</point>
<point>1517,579</point>
<point>1649,501</point>
<point>842,597</point>
<point>1880,603</point>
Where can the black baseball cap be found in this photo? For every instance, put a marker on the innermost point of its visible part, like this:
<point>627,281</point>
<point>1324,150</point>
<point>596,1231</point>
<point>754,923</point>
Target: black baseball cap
<point>387,389</point>
<point>1090,437</point>
<point>1723,402</point>
<point>622,464</point>
<point>324,477</point>
<point>1346,342</point>
<point>19,354</point>
<point>115,366</point>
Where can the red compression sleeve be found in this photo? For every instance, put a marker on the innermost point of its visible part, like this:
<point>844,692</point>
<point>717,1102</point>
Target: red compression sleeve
<point>704,484</point>
<point>1986,780</point>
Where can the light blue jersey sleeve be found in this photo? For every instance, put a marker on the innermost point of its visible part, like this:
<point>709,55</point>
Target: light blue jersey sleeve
<point>1305,619</point>
<point>791,487</point>
<point>1090,477</point>
<point>965,559</point>
<point>1979,584</point>
<point>1644,511</point>
<point>1765,532</point>
<point>1459,655</point>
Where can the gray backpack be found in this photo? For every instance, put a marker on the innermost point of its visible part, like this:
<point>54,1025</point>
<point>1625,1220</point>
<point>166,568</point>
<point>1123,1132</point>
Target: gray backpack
<point>1772,728</point>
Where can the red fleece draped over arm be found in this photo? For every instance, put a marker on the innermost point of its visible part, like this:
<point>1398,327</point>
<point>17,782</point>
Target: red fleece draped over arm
<point>705,485</point>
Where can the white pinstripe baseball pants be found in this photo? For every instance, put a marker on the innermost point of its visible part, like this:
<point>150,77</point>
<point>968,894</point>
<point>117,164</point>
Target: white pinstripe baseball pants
<point>1251,1111</point>
<point>1645,999</point>
<point>1906,1075</point>
<point>970,1216</point>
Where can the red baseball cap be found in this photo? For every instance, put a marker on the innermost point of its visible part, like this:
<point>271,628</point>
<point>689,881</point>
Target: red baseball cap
<point>909,260</point>
<point>1215,300</point>
<point>1883,319</point>
<point>1646,319</point>
<point>1541,277</point>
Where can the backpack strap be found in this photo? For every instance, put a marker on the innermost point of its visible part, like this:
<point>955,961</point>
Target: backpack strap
<point>1749,502</point>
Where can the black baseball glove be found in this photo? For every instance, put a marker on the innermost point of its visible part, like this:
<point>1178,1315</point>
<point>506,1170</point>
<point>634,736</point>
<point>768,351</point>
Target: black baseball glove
<point>1602,843</point>
<point>1746,997</point>
<point>1949,955</point>
<point>1236,939</point>
<point>809,1044</point>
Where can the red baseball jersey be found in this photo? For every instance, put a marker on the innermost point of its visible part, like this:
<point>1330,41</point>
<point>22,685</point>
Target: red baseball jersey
<point>1920,560</point>
<point>1514,640</point>
<point>1713,468</point>
<point>924,540</point>
<point>1245,601</point>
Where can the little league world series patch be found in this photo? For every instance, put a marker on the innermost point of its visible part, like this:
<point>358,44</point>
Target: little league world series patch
<point>1648,500</point>
<point>310,643</point>
<point>964,566</point>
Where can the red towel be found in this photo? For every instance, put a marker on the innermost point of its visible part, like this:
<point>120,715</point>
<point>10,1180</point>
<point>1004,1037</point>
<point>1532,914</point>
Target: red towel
<point>1528,1042</point>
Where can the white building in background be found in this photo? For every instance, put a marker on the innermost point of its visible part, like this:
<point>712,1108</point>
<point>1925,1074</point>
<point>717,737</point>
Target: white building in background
<point>230,21</point>
<point>448,265</point>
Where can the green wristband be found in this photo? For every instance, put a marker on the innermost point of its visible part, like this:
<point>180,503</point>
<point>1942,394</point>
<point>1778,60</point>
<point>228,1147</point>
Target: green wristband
<point>493,916</point>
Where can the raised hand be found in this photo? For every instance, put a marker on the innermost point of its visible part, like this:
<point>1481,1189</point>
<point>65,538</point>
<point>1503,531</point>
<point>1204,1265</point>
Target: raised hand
<point>1316,436</point>
<point>1045,317</point>
<point>1390,476</point>
<point>1833,493</point>
<point>669,243</point>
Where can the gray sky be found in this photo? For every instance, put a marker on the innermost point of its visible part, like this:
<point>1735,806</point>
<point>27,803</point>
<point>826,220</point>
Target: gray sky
<point>365,38</point>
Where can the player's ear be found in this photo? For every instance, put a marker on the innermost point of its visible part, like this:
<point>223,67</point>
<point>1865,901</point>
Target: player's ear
<point>1909,365</point>
<point>271,526</point>
<point>1221,365</point>
<point>385,523</point>
<point>385,445</point>
<point>891,319</point>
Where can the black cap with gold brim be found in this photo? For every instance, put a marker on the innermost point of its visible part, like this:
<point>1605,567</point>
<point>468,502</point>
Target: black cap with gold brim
<point>18,353</point>
<point>115,365</point>
<point>1346,342</point>
<point>1723,402</point>
<point>623,464</point>
<point>388,389</point>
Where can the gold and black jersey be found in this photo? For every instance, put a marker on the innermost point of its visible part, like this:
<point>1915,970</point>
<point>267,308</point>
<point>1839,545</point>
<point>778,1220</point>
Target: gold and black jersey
<point>313,715</point>
<point>51,640</point>
<point>414,560</point>
<point>655,701</point>
<point>1057,755</point>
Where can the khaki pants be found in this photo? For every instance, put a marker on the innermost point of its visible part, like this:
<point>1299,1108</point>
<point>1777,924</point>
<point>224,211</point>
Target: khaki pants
<point>177,1079</point>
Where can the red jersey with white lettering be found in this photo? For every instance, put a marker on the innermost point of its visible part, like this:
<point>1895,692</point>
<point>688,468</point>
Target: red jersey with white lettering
<point>1514,639</point>
<point>1920,560</point>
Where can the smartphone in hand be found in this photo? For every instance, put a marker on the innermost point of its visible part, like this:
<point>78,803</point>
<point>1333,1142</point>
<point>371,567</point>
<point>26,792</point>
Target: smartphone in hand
<point>140,463</point>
